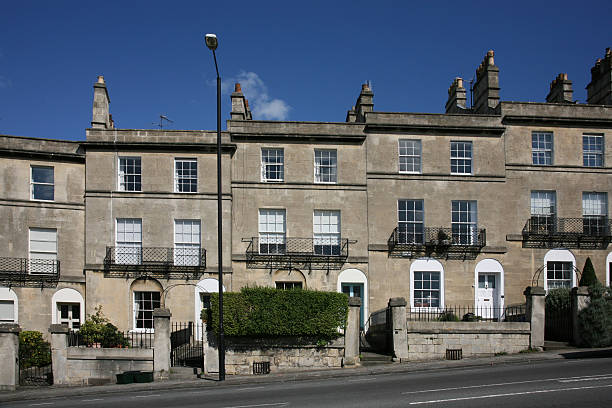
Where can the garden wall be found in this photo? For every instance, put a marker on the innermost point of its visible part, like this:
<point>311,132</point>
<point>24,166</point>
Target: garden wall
<point>91,366</point>
<point>430,340</point>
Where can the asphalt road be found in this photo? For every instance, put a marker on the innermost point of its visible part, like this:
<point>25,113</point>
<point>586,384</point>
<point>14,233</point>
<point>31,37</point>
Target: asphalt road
<point>560,383</point>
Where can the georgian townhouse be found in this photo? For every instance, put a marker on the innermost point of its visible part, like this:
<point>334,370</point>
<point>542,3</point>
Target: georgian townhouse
<point>466,207</point>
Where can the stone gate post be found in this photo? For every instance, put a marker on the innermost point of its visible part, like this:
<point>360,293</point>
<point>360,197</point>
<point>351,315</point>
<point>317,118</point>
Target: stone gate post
<point>580,299</point>
<point>161,344</point>
<point>535,314</point>
<point>59,353</point>
<point>351,333</point>
<point>9,350</point>
<point>399,334</point>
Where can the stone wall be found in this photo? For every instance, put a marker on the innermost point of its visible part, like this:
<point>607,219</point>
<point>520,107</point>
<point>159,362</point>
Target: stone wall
<point>430,340</point>
<point>239,358</point>
<point>91,366</point>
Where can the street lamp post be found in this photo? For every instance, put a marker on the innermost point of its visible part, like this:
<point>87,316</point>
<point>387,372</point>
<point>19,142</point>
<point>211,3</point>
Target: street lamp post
<point>212,43</point>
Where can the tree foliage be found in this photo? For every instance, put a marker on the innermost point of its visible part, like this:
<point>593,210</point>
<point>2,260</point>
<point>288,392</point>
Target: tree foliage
<point>595,320</point>
<point>34,351</point>
<point>98,329</point>
<point>588,277</point>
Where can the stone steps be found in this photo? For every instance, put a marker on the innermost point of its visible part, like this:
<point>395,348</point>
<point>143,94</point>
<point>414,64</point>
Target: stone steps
<point>183,373</point>
<point>369,359</point>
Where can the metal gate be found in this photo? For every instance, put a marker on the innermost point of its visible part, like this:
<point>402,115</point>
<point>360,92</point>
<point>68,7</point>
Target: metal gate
<point>186,346</point>
<point>558,324</point>
<point>35,366</point>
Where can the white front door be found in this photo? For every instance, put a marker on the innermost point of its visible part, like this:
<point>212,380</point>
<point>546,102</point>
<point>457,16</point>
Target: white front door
<point>487,295</point>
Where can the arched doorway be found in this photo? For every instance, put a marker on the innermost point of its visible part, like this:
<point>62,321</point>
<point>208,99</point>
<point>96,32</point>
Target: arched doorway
<point>354,283</point>
<point>489,288</point>
<point>68,308</point>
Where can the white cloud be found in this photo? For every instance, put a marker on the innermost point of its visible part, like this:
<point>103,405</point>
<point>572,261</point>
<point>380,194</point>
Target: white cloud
<point>255,90</point>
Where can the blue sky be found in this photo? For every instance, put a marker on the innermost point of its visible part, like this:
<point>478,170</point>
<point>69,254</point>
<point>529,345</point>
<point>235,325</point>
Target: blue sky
<point>297,60</point>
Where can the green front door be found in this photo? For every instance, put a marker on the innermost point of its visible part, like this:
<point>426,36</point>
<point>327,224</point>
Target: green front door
<point>355,290</point>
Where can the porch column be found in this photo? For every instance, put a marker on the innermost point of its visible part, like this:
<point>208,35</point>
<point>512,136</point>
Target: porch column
<point>399,334</point>
<point>580,299</point>
<point>161,344</point>
<point>59,353</point>
<point>535,314</point>
<point>351,333</point>
<point>9,350</point>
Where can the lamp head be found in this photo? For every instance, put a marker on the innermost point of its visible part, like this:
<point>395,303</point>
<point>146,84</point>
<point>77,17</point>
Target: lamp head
<point>211,41</point>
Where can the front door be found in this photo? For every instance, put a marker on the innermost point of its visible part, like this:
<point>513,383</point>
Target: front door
<point>355,290</point>
<point>69,315</point>
<point>487,296</point>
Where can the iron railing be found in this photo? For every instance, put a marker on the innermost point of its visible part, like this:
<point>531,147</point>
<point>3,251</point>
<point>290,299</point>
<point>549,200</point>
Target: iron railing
<point>459,239</point>
<point>29,272</point>
<point>301,253</point>
<point>125,339</point>
<point>549,231</point>
<point>186,344</point>
<point>513,313</point>
<point>154,261</point>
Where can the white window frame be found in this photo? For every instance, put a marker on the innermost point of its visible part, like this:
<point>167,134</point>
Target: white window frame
<point>559,255</point>
<point>541,154</point>
<point>426,265</point>
<point>136,310</point>
<point>131,251</point>
<point>8,295</point>
<point>457,223</point>
<point>34,183</point>
<point>274,233</point>
<point>42,261</point>
<point>543,218</point>
<point>189,178</point>
<point>592,157</point>
<point>279,157</point>
<point>327,234</point>
<point>187,252</point>
<point>67,295</point>
<point>459,158</point>
<point>332,157</point>
<point>594,212</point>
<point>413,151</point>
<point>405,237</point>
<point>122,182</point>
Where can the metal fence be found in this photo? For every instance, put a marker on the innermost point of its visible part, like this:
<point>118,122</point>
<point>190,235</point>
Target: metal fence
<point>512,313</point>
<point>127,339</point>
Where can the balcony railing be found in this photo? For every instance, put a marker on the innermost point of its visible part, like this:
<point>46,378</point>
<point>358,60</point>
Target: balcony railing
<point>460,239</point>
<point>29,272</point>
<point>154,261</point>
<point>585,232</point>
<point>300,253</point>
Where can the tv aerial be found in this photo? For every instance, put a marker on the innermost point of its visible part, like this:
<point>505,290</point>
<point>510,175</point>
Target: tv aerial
<point>162,118</point>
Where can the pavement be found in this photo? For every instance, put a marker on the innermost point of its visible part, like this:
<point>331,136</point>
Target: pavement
<point>46,392</point>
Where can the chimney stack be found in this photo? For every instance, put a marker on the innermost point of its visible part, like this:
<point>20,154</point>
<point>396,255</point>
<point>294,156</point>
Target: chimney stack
<point>101,118</point>
<point>456,97</point>
<point>560,90</point>
<point>599,91</point>
<point>486,88</point>
<point>239,104</point>
<point>365,103</point>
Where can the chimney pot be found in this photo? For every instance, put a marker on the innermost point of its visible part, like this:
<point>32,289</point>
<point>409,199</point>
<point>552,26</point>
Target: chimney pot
<point>100,79</point>
<point>237,87</point>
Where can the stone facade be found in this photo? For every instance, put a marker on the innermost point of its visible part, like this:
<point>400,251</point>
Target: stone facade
<point>316,205</point>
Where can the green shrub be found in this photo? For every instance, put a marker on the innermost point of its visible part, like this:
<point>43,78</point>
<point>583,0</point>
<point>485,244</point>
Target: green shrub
<point>588,277</point>
<point>33,350</point>
<point>268,312</point>
<point>448,316</point>
<point>595,320</point>
<point>98,329</point>
<point>471,317</point>
<point>558,299</point>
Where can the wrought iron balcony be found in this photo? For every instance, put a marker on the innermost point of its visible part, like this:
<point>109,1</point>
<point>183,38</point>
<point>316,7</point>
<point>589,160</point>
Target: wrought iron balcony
<point>543,231</point>
<point>29,272</point>
<point>299,253</point>
<point>459,241</point>
<point>154,262</point>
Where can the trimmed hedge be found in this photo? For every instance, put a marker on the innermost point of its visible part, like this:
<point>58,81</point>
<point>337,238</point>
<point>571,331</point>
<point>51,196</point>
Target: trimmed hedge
<point>558,299</point>
<point>268,312</point>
